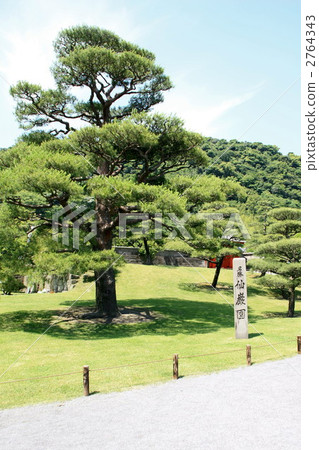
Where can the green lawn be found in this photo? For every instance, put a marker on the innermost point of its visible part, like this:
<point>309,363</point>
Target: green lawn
<point>195,320</point>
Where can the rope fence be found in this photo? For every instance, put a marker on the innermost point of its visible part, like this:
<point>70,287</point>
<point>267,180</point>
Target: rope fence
<point>86,370</point>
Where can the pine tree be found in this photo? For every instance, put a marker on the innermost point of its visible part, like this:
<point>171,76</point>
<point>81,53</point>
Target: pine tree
<point>280,255</point>
<point>93,166</point>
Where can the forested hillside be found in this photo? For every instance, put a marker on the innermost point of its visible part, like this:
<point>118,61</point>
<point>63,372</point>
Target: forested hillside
<point>258,167</point>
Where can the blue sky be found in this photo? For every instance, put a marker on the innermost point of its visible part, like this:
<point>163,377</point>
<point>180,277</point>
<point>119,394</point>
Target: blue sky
<point>229,61</point>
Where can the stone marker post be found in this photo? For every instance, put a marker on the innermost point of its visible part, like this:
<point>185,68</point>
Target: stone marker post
<point>240,298</point>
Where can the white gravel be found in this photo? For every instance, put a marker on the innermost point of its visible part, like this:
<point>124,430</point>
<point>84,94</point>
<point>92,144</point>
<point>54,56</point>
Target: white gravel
<point>255,407</point>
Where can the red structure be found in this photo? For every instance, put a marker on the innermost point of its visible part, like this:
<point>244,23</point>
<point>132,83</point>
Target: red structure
<point>227,262</point>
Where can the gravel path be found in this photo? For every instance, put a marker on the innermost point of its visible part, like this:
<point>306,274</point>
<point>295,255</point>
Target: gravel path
<point>255,407</point>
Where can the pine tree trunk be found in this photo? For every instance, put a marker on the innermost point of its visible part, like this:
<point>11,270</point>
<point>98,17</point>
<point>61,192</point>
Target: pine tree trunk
<point>291,305</point>
<point>105,291</point>
<point>148,256</point>
<point>219,264</point>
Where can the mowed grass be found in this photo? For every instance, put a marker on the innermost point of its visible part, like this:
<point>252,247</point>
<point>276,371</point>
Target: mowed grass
<point>195,320</point>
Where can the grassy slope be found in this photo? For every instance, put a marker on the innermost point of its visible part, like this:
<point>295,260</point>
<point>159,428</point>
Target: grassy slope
<point>197,320</point>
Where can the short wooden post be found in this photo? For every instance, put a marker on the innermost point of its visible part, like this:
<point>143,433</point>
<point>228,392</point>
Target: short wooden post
<point>86,380</point>
<point>175,367</point>
<point>299,344</point>
<point>248,355</point>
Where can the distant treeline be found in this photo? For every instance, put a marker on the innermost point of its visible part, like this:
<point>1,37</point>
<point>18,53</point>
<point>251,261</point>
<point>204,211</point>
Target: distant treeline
<point>260,168</point>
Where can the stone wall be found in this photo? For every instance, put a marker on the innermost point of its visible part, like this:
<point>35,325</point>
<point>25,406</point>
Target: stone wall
<point>173,258</point>
<point>166,258</point>
<point>130,254</point>
<point>57,283</point>
<point>53,283</point>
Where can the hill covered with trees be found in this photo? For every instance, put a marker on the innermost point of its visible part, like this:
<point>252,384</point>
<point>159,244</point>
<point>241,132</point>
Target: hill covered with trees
<point>260,168</point>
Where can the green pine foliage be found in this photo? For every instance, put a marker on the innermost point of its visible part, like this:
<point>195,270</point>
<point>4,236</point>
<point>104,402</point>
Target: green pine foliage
<point>279,254</point>
<point>108,67</point>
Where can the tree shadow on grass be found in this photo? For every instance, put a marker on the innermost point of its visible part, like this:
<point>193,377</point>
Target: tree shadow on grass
<point>252,335</point>
<point>178,317</point>
<point>280,314</point>
<point>223,287</point>
<point>205,287</point>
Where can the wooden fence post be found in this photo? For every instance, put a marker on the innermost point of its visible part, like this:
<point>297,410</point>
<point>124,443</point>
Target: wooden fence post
<point>86,380</point>
<point>175,367</point>
<point>299,344</point>
<point>248,355</point>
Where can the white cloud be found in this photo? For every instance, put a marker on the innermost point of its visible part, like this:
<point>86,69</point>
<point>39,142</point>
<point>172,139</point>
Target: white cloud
<point>26,58</point>
<point>200,112</point>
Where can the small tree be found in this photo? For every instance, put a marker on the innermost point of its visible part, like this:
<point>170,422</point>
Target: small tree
<point>212,231</point>
<point>14,251</point>
<point>280,255</point>
<point>10,283</point>
<point>212,198</point>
